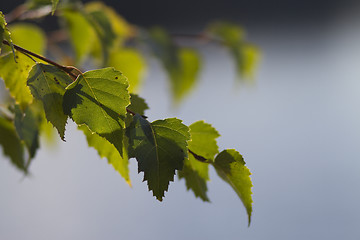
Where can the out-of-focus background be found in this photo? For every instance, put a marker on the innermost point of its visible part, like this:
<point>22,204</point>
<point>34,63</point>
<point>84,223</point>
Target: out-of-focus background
<point>298,128</point>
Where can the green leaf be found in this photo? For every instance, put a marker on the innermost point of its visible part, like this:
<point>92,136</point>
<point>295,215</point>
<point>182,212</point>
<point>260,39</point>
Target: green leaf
<point>181,65</point>
<point>160,148</point>
<point>29,36</point>
<point>107,150</point>
<point>138,104</point>
<point>15,75</point>
<point>54,6</point>
<point>47,84</point>
<point>81,32</point>
<point>11,144</point>
<point>246,55</point>
<point>203,140</point>
<point>203,144</point>
<point>193,178</point>
<point>131,63</point>
<point>5,34</point>
<point>99,99</point>
<point>27,125</point>
<point>230,166</point>
<point>103,28</point>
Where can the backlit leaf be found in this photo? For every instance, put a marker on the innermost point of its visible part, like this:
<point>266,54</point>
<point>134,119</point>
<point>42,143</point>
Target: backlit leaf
<point>47,84</point>
<point>81,32</point>
<point>107,150</point>
<point>11,144</point>
<point>203,144</point>
<point>5,34</point>
<point>160,148</point>
<point>54,6</point>
<point>29,36</point>
<point>15,75</point>
<point>230,166</point>
<point>98,99</point>
<point>131,63</point>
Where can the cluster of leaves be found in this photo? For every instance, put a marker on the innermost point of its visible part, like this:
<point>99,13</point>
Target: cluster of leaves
<point>103,102</point>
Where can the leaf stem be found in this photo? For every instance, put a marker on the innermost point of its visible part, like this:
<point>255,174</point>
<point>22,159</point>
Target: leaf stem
<point>199,158</point>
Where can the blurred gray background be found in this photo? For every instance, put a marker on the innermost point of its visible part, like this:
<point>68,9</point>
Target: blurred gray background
<point>298,129</point>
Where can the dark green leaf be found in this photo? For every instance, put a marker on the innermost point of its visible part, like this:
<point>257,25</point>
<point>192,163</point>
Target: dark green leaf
<point>11,144</point>
<point>15,75</point>
<point>160,148</point>
<point>230,166</point>
<point>27,125</point>
<point>138,104</point>
<point>47,84</point>
<point>99,99</point>
<point>193,179</point>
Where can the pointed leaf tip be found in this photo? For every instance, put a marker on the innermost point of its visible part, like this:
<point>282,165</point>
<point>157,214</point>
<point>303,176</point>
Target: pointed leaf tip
<point>230,166</point>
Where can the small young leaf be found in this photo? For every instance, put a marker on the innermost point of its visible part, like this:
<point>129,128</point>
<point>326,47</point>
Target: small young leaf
<point>160,148</point>
<point>15,75</point>
<point>54,6</point>
<point>47,84</point>
<point>131,63</point>
<point>29,36</point>
<point>98,99</point>
<point>138,104</point>
<point>230,166</point>
<point>11,144</point>
<point>106,149</point>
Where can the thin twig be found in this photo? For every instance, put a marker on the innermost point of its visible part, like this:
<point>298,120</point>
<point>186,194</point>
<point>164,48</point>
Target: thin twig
<point>68,70</point>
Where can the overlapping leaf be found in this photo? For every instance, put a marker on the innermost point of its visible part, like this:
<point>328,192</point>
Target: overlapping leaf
<point>203,145</point>
<point>11,144</point>
<point>47,84</point>
<point>160,148</point>
<point>230,166</point>
<point>98,99</point>
<point>107,150</point>
<point>15,75</point>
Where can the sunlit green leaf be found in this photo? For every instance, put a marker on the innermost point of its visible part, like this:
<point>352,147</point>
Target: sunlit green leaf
<point>27,125</point>
<point>81,32</point>
<point>11,144</point>
<point>230,166</point>
<point>29,36</point>
<point>15,75</point>
<point>107,150</point>
<point>47,84</point>
<point>130,62</point>
<point>98,99</point>
<point>160,148</point>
